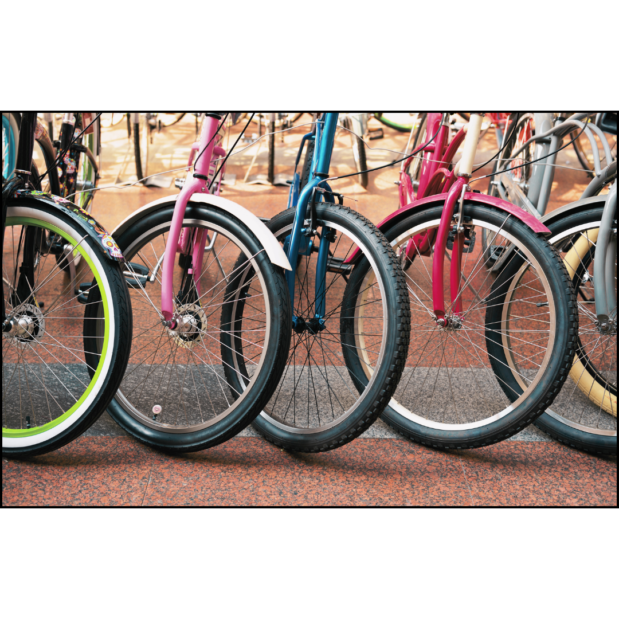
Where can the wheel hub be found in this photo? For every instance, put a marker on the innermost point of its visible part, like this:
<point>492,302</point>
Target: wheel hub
<point>191,323</point>
<point>28,325</point>
<point>450,323</point>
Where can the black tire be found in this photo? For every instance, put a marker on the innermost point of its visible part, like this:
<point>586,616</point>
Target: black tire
<point>307,163</point>
<point>581,155</point>
<point>558,424</point>
<point>358,150</point>
<point>558,361</point>
<point>141,142</point>
<point>368,406</point>
<point>138,235</point>
<point>414,169</point>
<point>493,189</point>
<point>119,340</point>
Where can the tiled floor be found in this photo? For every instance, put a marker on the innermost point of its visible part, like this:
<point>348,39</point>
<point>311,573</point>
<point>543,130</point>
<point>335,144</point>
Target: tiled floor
<point>107,470</point>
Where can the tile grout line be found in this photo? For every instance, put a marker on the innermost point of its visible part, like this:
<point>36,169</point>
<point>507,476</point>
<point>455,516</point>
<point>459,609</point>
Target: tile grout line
<point>467,483</point>
<point>150,474</point>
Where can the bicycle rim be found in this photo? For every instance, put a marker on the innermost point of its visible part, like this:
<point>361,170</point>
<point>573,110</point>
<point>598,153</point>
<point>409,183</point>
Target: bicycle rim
<point>176,382</point>
<point>317,392</point>
<point>54,367</point>
<point>449,383</point>
<point>588,401</point>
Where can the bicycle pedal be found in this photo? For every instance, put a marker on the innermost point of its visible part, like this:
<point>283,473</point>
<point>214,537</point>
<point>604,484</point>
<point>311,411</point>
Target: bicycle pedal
<point>375,134</point>
<point>137,276</point>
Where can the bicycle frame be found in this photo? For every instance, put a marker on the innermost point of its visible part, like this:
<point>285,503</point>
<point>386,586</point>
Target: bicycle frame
<point>605,255</point>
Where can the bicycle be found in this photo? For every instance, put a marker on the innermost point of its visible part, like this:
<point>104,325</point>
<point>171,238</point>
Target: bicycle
<point>322,401</point>
<point>584,413</point>
<point>452,395</point>
<point>43,153</point>
<point>63,345</point>
<point>72,175</point>
<point>178,395</point>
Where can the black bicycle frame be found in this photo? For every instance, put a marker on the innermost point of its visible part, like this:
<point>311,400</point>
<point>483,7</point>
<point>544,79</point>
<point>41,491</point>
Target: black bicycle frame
<point>21,179</point>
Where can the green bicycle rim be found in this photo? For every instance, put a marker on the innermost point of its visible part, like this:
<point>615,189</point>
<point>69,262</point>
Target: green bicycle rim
<point>21,433</point>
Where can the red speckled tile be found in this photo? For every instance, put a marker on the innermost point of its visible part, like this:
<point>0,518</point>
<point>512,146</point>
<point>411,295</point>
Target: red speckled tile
<point>251,472</point>
<point>105,471</point>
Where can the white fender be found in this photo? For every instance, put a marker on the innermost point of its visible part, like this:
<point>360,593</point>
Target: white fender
<point>265,236</point>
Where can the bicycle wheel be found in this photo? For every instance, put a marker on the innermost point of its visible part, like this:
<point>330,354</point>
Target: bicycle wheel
<point>401,121</point>
<point>525,129</point>
<point>142,130</point>
<point>414,168</point>
<point>175,394</point>
<point>44,155</point>
<point>452,395</point>
<point>317,406</point>
<point>87,179</point>
<point>358,151</point>
<point>584,414</point>
<point>112,119</point>
<point>167,119</point>
<point>61,361</point>
<point>10,138</point>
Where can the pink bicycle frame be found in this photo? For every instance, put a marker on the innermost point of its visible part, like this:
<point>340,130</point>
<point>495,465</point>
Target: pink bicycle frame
<point>436,178</point>
<point>179,239</point>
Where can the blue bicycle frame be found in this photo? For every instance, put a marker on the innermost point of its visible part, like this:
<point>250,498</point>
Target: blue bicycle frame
<point>299,242</point>
<point>9,148</point>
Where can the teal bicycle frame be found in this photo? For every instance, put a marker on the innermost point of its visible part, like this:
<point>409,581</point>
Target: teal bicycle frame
<point>299,242</point>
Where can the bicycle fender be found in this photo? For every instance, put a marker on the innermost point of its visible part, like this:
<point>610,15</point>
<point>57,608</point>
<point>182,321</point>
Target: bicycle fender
<point>85,220</point>
<point>471,197</point>
<point>574,207</point>
<point>265,236</point>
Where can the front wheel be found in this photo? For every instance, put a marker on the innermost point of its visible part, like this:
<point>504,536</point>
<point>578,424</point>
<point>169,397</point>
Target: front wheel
<point>63,359</point>
<point>319,404</point>
<point>584,414</point>
<point>454,393</point>
<point>177,394</point>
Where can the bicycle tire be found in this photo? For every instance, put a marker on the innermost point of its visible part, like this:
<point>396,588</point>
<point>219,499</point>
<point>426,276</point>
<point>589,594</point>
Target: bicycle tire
<point>454,419</point>
<point>564,421</point>
<point>293,432</point>
<point>182,425</point>
<point>581,155</point>
<point>358,150</point>
<point>141,143</point>
<point>105,319</point>
<point>404,127</point>
<point>493,189</point>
